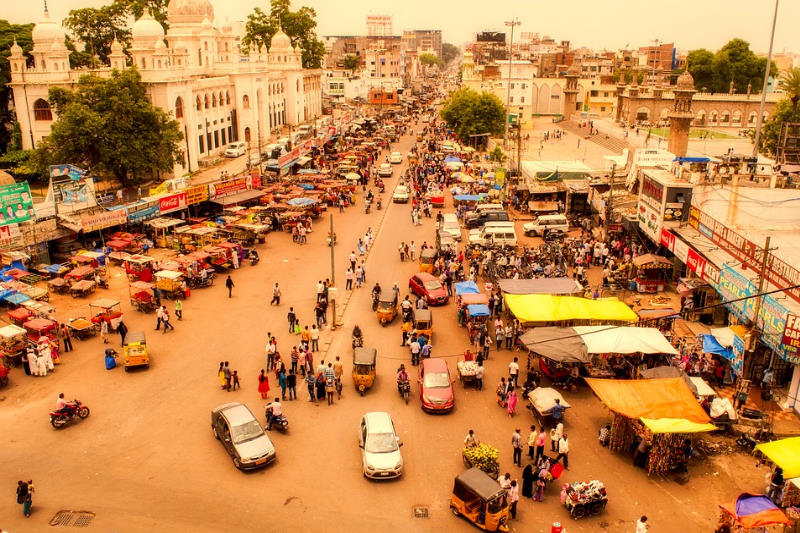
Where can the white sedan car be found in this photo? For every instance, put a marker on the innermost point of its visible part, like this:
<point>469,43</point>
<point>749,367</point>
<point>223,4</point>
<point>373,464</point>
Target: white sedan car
<point>380,447</point>
<point>400,195</point>
<point>385,170</point>
<point>396,158</point>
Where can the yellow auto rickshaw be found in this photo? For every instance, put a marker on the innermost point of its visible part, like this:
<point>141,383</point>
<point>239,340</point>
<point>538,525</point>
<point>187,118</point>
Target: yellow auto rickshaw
<point>480,499</point>
<point>427,260</point>
<point>134,350</point>
<point>363,368</point>
<point>423,322</point>
<point>387,308</point>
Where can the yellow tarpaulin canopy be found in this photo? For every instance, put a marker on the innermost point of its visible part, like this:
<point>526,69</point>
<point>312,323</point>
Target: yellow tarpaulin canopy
<point>676,425</point>
<point>649,398</point>
<point>549,308</point>
<point>785,453</point>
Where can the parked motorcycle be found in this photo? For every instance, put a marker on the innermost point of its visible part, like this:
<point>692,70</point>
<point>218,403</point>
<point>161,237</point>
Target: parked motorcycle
<point>254,258</point>
<point>405,390</point>
<point>375,298</point>
<point>366,208</point>
<point>280,422</point>
<point>379,204</point>
<point>59,419</point>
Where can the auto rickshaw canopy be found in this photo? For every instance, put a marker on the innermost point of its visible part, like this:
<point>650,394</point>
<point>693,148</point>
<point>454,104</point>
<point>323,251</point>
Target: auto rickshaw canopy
<point>423,315</point>
<point>428,255</point>
<point>135,337</point>
<point>479,483</point>
<point>364,356</point>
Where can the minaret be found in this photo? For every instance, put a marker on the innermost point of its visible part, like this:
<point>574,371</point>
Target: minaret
<point>571,90</point>
<point>680,118</point>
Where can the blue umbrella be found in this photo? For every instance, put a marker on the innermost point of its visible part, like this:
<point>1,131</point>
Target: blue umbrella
<point>300,201</point>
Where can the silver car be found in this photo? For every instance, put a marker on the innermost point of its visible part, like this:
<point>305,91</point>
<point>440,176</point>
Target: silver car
<point>380,447</point>
<point>241,434</point>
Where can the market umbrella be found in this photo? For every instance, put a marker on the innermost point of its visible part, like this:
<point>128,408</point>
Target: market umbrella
<point>466,179</point>
<point>301,202</point>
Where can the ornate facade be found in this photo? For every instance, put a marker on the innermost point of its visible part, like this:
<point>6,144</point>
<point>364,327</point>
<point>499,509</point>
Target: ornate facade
<point>196,72</point>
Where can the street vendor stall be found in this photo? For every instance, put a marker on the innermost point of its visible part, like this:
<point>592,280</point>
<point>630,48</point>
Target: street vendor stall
<point>545,309</point>
<point>752,513</point>
<point>662,412</point>
<point>652,273</point>
<point>12,344</point>
<point>139,267</point>
<point>554,286</point>
<point>542,401</point>
<point>142,297</point>
<point>80,273</point>
<point>170,284</point>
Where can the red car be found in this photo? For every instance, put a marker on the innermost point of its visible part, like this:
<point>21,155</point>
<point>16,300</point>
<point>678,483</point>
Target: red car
<point>435,386</point>
<point>429,287</point>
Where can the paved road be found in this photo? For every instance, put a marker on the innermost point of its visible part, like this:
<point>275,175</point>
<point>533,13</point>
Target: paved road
<point>145,460</point>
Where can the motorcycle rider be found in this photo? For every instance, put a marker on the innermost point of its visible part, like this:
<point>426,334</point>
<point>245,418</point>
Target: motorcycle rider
<point>254,255</point>
<point>274,410</point>
<point>64,407</point>
<point>406,307</point>
<point>402,377</point>
<point>358,339</point>
<point>376,291</point>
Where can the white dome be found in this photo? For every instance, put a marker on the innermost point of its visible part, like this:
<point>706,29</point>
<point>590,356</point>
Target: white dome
<point>16,50</point>
<point>190,11</point>
<point>47,31</point>
<point>280,41</point>
<point>147,30</point>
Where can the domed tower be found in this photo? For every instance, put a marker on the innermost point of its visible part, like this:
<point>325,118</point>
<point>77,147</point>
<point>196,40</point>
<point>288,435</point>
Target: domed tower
<point>182,12</point>
<point>44,34</point>
<point>281,50</point>
<point>571,90</point>
<point>680,118</point>
<point>16,60</point>
<point>145,35</point>
<point>117,55</point>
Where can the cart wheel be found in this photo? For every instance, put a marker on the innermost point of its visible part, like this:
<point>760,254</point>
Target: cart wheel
<point>454,511</point>
<point>596,508</point>
<point>579,511</point>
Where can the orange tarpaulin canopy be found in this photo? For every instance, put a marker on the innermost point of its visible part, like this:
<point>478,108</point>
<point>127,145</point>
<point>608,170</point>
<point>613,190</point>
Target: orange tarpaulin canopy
<point>649,398</point>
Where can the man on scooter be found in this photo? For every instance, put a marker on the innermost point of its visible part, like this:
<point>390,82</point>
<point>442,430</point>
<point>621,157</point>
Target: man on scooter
<point>274,410</point>
<point>63,406</point>
<point>402,377</point>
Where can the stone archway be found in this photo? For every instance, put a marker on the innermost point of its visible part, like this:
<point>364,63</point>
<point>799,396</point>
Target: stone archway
<point>555,100</point>
<point>544,98</point>
<point>736,119</point>
<point>700,119</point>
<point>643,114</point>
<point>713,117</point>
<point>725,118</point>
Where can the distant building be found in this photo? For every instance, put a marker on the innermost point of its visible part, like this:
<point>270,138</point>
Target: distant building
<point>379,25</point>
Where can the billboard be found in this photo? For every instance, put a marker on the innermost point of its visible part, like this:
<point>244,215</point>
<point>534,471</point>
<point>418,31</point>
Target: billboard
<point>491,37</point>
<point>16,204</point>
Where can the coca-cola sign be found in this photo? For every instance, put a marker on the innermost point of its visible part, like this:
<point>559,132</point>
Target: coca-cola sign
<point>173,202</point>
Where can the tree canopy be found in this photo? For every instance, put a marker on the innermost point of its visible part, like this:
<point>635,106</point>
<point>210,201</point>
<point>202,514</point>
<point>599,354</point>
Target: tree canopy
<point>351,62</point>
<point>468,112</point>
<point>429,60</point>
<point>790,84</point>
<point>298,25</point>
<point>8,32</point>
<point>734,62</point>
<point>449,52</point>
<point>785,111</point>
<point>110,125</point>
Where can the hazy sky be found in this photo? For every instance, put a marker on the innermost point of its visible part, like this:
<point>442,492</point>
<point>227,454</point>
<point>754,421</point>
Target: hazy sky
<point>594,23</point>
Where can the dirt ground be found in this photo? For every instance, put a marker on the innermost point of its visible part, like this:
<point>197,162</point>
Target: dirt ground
<point>146,460</point>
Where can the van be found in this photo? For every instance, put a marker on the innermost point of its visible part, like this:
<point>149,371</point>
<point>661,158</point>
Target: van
<point>544,223</point>
<point>480,209</point>
<point>451,226</point>
<point>235,149</point>
<point>494,234</point>
<point>487,216</point>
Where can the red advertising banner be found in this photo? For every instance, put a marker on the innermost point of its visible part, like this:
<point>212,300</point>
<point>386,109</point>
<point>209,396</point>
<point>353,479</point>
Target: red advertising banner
<point>228,187</point>
<point>668,240</point>
<point>791,333</point>
<point>173,202</point>
<point>695,263</point>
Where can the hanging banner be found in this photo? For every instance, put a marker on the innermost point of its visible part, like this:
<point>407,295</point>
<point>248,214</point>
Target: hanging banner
<point>173,202</point>
<point>791,334</point>
<point>196,194</point>
<point>142,211</point>
<point>772,316</point>
<point>16,204</point>
<point>10,237</point>
<point>738,354</point>
<point>228,187</point>
<point>733,286</point>
<point>103,220</point>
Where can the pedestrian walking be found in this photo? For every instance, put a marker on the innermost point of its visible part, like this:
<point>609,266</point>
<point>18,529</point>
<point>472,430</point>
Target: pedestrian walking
<point>310,383</point>
<point>229,285</point>
<point>532,436</point>
<point>513,371</point>
<point>235,378</point>
<point>165,319</point>
<point>179,309</point>
<point>348,279</point>
<point>104,331</point>
<point>563,450</point>
<point>516,443</point>
<point>641,525</point>
<point>226,372</point>
<point>159,317</point>
<point>291,384</point>
<point>221,375</point>
<point>513,498</point>
<point>314,335</point>
<point>66,337</point>
<point>263,385</point>
<point>511,401</point>
<point>22,493</point>
<point>291,317</point>
<point>282,382</point>
<point>479,377</point>
<point>540,441</point>
<point>276,295</point>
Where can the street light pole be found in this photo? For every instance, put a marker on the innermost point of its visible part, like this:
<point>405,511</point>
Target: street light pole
<point>760,117</point>
<point>514,22</point>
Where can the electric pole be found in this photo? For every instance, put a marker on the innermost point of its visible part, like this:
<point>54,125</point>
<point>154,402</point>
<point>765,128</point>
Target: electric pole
<point>760,117</point>
<point>512,23</point>
<point>332,238</point>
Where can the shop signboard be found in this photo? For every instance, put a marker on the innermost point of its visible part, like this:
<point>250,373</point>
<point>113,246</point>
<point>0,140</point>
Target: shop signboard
<point>171,203</point>
<point>196,194</point>
<point>772,323</point>
<point>228,187</point>
<point>69,171</point>
<point>16,204</point>
<point>649,221</point>
<point>288,157</point>
<point>695,262</point>
<point>681,250</point>
<point>142,211</point>
<point>791,335</point>
<point>10,237</point>
<point>734,286</point>
<point>104,219</point>
<point>738,354</point>
<point>668,240</point>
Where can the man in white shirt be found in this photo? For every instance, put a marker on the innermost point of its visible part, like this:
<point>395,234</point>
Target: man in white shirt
<point>563,450</point>
<point>275,410</point>
<point>513,371</point>
<point>641,525</point>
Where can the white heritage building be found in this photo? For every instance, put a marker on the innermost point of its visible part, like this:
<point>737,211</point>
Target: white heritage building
<point>195,72</point>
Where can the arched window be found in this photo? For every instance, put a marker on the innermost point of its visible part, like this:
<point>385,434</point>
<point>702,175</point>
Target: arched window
<point>712,118</point>
<point>227,98</point>
<point>199,104</point>
<point>205,101</point>
<point>179,107</point>
<point>246,102</point>
<point>726,117</point>
<point>213,100</point>
<point>752,118</point>
<point>41,110</point>
<point>221,99</point>
<point>298,85</point>
<point>247,134</point>
<point>144,63</point>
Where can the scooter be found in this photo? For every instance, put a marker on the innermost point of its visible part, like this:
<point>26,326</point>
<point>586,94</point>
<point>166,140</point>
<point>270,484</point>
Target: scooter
<point>366,208</point>
<point>404,388</point>
<point>254,258</point>
<point>379,204</point>
<point>358,342</point>
<point>59,419</point>
<point>280,422</point>
<point>375,298</point>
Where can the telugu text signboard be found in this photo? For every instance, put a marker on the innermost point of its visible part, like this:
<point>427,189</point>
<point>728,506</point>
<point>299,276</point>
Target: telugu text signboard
<point>16,204</point>
<point>103,220</point>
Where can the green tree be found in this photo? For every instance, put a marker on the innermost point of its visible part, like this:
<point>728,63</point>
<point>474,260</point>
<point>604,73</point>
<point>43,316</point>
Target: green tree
<point>449,52</point>
<point>298,25</point>
<point>9,32</point>
<point>497,155</point>
<point>469,113</point>
<point>790,84</point>
<point>351,62</point>
<point>110,125</point>
<point>700,65</point>
<point>429,60</point>
<point>785,111</point>
<point>96,28</point>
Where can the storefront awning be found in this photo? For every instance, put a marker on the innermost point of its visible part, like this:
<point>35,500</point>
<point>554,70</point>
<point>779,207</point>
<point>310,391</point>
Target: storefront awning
<point>578,344</point>
<point>785,453</point>
<point>238,198</point>
<point>562,285</point>
<point>546,308</point>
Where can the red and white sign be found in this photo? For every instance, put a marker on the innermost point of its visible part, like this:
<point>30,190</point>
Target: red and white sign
<point>10,236</point>
<point>668,240</point>
<point>695,263</point>
<point>173,202</point>
<point>791,333</point>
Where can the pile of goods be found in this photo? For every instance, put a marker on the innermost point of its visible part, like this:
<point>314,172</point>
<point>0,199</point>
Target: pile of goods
<point>467,368</point>
<point>484,457</point>
<point>585,498</point>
